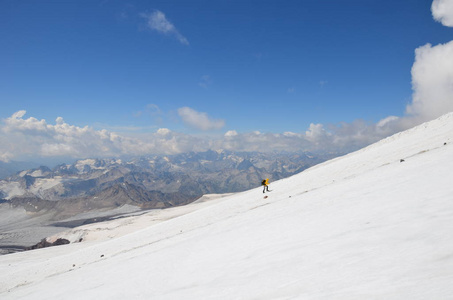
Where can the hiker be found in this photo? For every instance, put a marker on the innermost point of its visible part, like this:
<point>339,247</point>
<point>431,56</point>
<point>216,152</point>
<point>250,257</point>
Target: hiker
<point>265,184</point>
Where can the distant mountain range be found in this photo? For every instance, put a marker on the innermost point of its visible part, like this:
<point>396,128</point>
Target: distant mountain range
<point>148,182</point>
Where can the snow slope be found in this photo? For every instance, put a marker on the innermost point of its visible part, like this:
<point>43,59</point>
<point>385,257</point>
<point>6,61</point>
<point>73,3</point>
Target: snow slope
<point>363,226</point>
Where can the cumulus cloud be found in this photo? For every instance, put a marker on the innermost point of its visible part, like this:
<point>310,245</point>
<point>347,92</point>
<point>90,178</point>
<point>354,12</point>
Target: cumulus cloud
<point>231,133</point>
<point>32,136</point>
<point>443,11</point>
<point>157,21</point>
<point>432,80</point>
<point>432,74</point>
<point>316,131</point>
<point>163,131</point>
<point>6,156</point>
<point>199,120</point>
<point>23,138</point>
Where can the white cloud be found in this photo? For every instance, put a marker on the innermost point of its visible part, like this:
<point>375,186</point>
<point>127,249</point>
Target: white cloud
<point>316,131</point>
<point>443,11</point>
<point>432,80</point>
<point>6,156</point>
<point>231,133</point>
<point>199,120</point>
<point>158,22</point>
<point>56,150</point>
<point>29,136</point>
<point>386,121</point>
<point>163,131</point>
<point>23,138</point>
<point>290,134</point>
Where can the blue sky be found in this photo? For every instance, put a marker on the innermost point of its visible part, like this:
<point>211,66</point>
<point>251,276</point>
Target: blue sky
<point>206,68</point>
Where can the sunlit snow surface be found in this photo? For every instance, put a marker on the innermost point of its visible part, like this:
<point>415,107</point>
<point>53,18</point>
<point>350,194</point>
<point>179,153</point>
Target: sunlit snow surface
<point>363,226</point>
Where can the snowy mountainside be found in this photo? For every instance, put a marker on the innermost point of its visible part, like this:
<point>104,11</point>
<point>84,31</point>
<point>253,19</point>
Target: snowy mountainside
<point>374,224</point>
